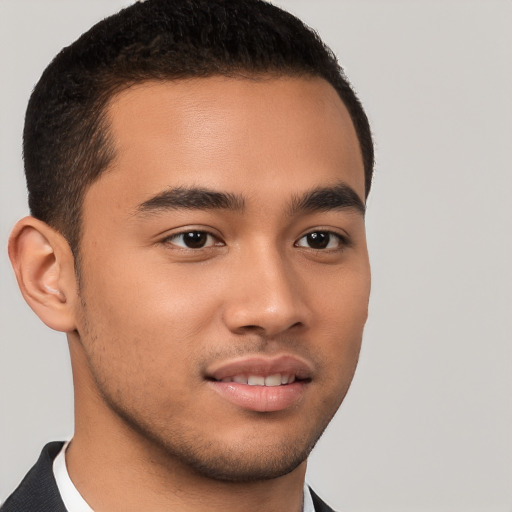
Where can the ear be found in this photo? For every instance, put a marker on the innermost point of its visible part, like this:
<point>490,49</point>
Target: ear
<point>45,270</point>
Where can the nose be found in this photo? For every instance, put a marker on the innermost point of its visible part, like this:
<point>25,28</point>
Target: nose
<point>266,296</point>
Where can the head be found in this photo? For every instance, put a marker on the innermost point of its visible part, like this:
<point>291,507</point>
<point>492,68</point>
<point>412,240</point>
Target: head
<point>204,164</point>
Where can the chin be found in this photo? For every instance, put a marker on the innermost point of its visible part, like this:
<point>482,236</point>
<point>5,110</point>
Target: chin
<point>259,455</point>
<point>239,465</point>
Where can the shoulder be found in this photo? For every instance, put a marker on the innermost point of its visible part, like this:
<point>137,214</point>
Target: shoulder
<point>38,490</point>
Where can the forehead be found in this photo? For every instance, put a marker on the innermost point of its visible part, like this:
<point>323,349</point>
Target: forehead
<point>226,133</point>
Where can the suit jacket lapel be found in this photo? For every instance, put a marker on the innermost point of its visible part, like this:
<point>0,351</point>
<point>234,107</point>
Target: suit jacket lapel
<point>320,506</point>
<point>38,490</point>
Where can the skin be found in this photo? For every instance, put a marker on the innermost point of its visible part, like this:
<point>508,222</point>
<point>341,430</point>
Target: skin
<point>151,317</point>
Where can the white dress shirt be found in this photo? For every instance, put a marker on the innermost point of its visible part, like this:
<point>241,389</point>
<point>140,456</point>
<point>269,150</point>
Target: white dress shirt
<point>72,499</point>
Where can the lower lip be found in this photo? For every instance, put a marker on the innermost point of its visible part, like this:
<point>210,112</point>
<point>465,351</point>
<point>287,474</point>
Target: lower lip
<point>260,398</point>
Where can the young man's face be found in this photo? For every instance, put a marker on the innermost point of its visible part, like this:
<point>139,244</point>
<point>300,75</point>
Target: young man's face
<point>224,249</point>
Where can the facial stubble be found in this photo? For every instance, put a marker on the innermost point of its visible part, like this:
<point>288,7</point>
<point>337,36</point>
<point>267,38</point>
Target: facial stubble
<point>230,461</point>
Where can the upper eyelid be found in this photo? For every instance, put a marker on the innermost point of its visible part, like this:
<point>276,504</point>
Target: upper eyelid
<point>344,239</point>
<point>170,241</point>
<point>343,236</point>
<point>182,231</point>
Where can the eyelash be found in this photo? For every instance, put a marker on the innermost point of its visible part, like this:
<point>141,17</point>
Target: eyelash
<point>172,238</point>
<point>198,234</point>
<point>343,241</point>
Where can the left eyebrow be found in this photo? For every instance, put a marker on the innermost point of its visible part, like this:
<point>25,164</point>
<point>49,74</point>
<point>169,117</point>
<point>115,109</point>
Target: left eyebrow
<point>321,199</point>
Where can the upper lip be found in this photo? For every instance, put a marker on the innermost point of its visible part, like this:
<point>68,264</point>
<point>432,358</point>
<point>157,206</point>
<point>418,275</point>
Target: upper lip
<point>263,366</point>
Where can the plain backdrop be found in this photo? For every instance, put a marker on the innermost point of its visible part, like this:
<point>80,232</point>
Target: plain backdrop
<point>427,425</point>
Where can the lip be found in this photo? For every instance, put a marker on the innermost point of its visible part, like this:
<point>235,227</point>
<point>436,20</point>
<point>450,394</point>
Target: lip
<point>261,398</point>
<point>263,366</point>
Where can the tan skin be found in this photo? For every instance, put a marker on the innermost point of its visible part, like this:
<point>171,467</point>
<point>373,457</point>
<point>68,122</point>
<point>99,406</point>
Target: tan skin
<point>155,313</point>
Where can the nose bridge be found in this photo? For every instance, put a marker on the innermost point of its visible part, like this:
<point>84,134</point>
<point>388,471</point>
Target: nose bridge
<point>267,295</point>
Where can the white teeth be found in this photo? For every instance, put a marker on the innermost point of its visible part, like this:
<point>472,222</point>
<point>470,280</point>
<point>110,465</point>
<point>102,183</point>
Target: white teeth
<point>256,380</point>
<point>273,380</point>
<point>277,379</point>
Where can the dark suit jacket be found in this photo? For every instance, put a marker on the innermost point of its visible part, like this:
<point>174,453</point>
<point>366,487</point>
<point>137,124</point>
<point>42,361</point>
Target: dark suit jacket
<point>38,491</point>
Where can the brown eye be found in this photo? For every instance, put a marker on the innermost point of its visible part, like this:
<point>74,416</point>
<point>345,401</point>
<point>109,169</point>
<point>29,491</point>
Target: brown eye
<point>321,240</point>
<point>192,240</point>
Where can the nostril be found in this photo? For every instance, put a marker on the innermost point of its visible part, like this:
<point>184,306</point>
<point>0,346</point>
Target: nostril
<point>252,328</point>
<point>262,331</point>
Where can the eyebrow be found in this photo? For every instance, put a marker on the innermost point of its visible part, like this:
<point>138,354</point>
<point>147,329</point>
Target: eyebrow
<point>337,197</point>
<point>322,199</point>
<point>192,198</point>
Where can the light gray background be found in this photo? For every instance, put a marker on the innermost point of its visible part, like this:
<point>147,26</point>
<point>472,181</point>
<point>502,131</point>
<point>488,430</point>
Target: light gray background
<point>427,425</point>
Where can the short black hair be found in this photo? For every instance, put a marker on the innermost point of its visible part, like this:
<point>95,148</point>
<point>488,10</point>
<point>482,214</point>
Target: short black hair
<point>66,141</point>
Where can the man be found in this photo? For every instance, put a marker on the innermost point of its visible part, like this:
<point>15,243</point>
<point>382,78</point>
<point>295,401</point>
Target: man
<point>197,175</point>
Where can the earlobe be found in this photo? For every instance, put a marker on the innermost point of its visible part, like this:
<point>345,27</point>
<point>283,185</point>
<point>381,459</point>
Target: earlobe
<point>44,267</point>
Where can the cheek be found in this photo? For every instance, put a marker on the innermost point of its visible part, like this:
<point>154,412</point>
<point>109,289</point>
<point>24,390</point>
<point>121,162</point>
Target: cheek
<point>341,313</point>
<point>140,324</point>
<point>136,298</point>
<point>139,339</point>
<point>341,300</point>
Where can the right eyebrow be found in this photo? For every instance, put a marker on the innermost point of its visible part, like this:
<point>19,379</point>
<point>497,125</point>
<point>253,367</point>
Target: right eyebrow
<point>191,198</point>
